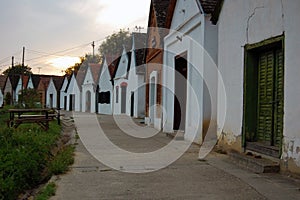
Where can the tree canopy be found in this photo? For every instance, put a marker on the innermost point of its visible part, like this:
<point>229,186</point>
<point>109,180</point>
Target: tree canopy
<point>114,43</point>
<point>18,70</point>
<point>84,61</point>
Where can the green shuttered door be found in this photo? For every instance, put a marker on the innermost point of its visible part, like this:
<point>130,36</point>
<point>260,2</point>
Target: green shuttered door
<point>270,98</point>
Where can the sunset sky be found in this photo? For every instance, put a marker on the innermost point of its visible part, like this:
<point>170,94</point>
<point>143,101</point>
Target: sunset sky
<point>56,33</point>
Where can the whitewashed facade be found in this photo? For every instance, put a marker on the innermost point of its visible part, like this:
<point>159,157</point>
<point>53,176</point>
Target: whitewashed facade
<point>63,95</point>
<point>136,81</point>
<point>1,98</point>
<point>73,95</point>
<point>88,90</point>
<point>190,53</point>
<point>18,90</point>
<point>105,89</point>
<point>120,100</point>
<point>51,99</point>
<point>264,31</point>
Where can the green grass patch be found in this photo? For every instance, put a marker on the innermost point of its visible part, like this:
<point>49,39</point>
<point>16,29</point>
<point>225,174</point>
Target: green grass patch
<point>27,158</point>
<point>47,192</point>
<point>60,163</point>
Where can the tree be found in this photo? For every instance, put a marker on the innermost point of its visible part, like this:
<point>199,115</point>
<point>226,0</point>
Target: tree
<point>113,45</point>
<point>31,98</point>
<point>18,70</point>
<point>8,98</point>
<point>88,58</point>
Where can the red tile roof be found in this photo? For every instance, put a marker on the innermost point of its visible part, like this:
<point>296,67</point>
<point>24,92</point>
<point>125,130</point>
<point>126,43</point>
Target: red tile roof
<point>95,70</point>
<point>2,82</point>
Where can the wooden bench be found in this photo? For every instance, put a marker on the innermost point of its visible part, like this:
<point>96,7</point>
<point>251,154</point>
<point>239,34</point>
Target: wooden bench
<point>42,117</point>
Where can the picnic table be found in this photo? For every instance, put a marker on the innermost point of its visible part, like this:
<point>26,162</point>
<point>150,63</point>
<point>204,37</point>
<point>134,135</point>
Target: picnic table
<point>42,117</point>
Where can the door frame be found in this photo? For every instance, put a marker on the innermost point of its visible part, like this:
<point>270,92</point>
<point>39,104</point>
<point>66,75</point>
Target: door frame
<point>250,96</point>
<point>180,117</point>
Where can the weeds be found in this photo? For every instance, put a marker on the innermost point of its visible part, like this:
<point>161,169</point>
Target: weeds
<point>26,158</point>
<point>47,192</point>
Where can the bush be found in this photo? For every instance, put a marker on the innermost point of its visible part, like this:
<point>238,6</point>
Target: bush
<point>24,156</point>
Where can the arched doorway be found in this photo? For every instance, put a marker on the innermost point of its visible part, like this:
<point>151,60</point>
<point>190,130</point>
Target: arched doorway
<point>88,101</point>
<point>123,97</point>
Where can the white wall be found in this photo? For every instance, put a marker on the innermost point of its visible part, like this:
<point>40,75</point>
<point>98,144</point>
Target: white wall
<point>88,85</point>
<point>135,85</point>
<point>30,83</point>
<point>247,22</point>
<point>51,90</point>
<point>74,89</point>
<point>105,85</point>
<point>63,93</point>
<point>18,89</point>
<point>188,37</point>
<point>1,98</point>
<point>120,78</point>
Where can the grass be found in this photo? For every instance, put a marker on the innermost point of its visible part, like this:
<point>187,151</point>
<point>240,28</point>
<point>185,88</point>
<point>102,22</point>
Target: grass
<point>47,192</point>
<point>60,163</point>
<point>26,156</point>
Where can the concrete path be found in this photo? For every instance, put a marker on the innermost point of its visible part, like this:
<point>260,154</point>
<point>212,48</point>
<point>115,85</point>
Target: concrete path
<point>186,178</point>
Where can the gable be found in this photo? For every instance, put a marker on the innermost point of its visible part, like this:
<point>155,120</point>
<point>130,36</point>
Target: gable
<point>88,79</point>
<point>8,86</point>
<point>184,11</point>
<point>105,78</point>
<point>72,86</point>
<point>123,66</point>
<point>65,84</point>
<point>51,86</point>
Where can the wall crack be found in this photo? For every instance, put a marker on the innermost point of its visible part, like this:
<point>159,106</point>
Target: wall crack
<point>248,21</point>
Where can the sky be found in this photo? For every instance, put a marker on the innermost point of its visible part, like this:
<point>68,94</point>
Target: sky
<point>55,33</point>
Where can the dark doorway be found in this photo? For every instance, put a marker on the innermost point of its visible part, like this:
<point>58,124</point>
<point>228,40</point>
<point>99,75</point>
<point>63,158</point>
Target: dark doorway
<point>72,102</point>
<point>132,104</point>
<point>65,102</point>
<point>123,99</point>
<point>88,102</point>
<point>180,92</point>
<point>51,100</point>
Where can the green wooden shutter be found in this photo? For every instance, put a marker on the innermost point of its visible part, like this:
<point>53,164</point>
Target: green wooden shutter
<point>265,97</point>
<point>279,99</point>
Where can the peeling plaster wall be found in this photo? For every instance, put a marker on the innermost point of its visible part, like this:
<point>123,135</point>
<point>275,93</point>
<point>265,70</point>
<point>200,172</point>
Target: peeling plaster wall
<point>248,22</point>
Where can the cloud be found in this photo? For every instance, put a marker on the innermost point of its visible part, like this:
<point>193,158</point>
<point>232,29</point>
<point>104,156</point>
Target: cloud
<point>51,26</point>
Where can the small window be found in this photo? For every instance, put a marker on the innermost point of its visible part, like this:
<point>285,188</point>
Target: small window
<point>117,94</point>
<point>104,97</point>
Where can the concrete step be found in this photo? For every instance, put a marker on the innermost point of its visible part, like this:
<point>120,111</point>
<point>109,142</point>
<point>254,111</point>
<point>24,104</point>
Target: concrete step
<point>254,163</point>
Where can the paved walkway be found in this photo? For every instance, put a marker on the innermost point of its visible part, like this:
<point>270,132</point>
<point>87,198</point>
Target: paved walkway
<point>186,178</point>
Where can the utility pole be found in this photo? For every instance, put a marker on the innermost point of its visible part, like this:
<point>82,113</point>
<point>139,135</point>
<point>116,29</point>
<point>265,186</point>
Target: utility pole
<point>23,56</point>
<point>93,45</point>
<point>12,61</point>
<point>23,65</point>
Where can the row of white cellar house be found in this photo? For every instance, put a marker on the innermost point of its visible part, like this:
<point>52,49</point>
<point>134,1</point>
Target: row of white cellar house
<point>223,67</point>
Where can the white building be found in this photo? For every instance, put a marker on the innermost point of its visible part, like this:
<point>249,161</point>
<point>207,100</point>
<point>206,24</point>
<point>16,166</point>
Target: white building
<point>190,53</point>
<point>259,62</point>
<point>3,79</point>
<point>89,88</point>
<point>53,92</point>
<point>105,90</point>
<point>63,94</point>
<point>73,95</point>
<point>136,81</point>
<point>120,102</point>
